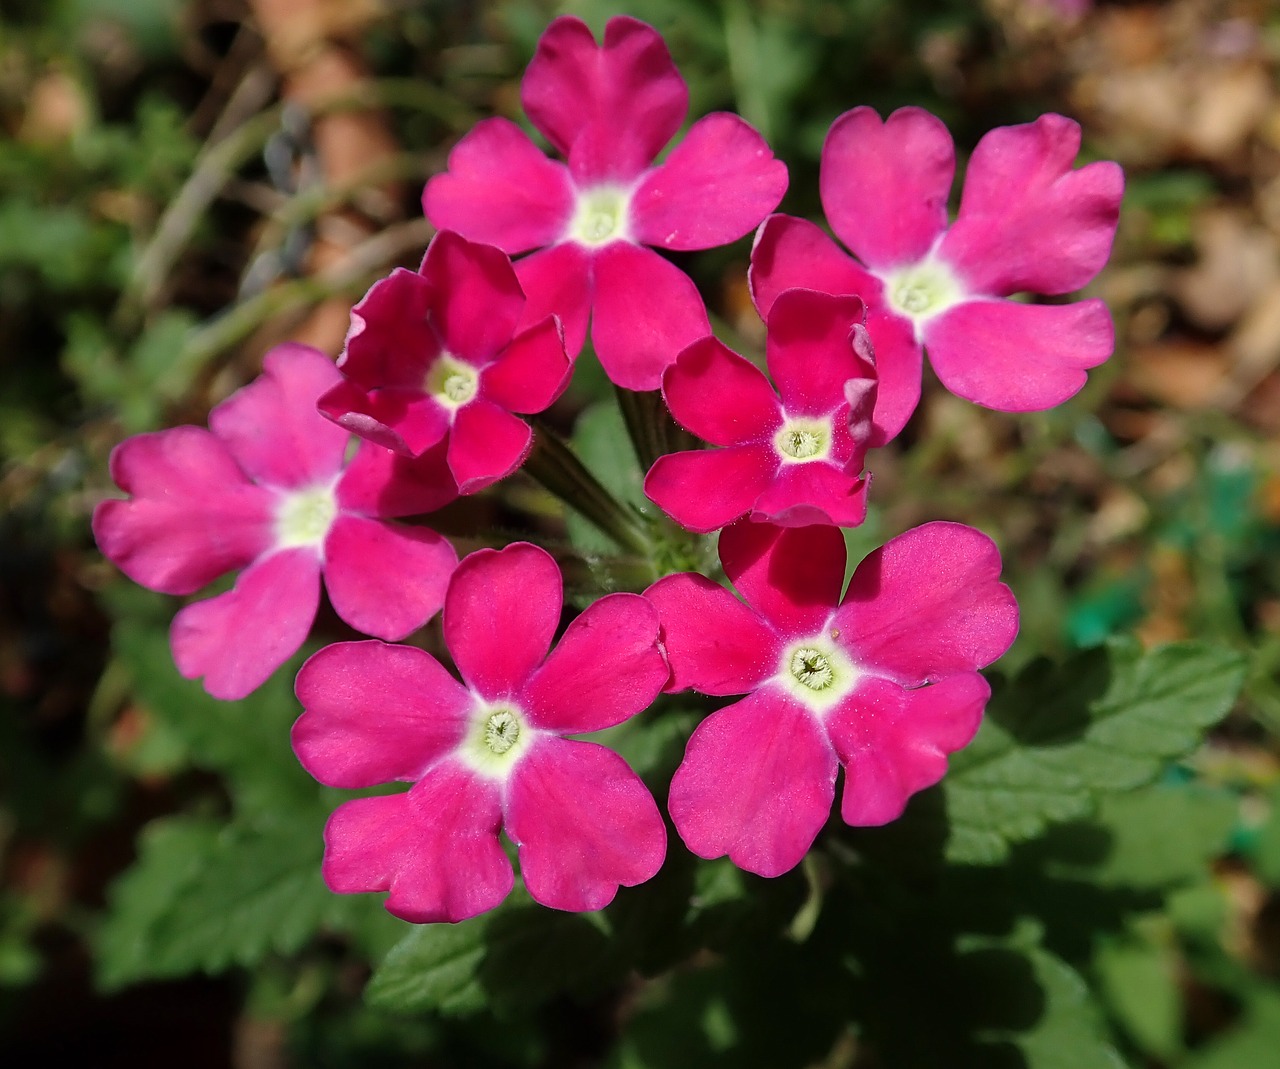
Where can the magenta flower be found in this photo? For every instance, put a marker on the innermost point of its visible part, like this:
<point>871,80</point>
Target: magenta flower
<point>1028,222</point>
<point>884,681</point>
<point>435,355</point>
<point>489,754</point>
<point>268,490</point>
<point>609,110</point>
<point>792,459</point>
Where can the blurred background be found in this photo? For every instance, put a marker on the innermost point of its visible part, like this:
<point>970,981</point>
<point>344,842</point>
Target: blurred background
<point>185,184</point>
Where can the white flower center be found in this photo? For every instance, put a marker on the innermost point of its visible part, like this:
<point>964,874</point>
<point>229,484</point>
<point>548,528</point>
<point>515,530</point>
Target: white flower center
<point>923,289</point>
<point>451,382</point>
<point>602,216</point>
<point>499,735</point>
<point>303,517</point>
<point>817,672</point>
<point>800,440</point>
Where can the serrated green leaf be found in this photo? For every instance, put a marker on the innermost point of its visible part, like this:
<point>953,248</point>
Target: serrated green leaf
<point>517,955</point>
<point>1069,1033</point>
<point>1157,837</point>
<point>434,967</point>
<point>204,897</point>
<point>1109,719</point>
<point>247,741</point>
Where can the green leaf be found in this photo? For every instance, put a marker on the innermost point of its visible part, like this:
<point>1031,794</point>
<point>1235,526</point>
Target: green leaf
<point>1267,848</point>
<point>1107,720</point>
<point>204,897</point>
<point>1153,838</point>
<point>1137,976</point>
<point>517,955</point>
<point>247,741</point>
<point>1252,1043</point>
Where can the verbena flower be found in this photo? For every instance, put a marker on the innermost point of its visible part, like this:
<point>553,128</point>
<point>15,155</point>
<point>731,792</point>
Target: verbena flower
<point>609,110</point>
<point>1027,222</point>
<point>435,355</point>
<point>268,489</point>
<point>793,457</point>
<point>489,754</point>
<point>883,681</point>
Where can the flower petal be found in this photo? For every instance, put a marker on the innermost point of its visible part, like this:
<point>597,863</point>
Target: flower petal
<point>404,420</point>
<point>928,604</point>
<point>391,341</point>
<point>271,425</point>
<point>720,396</point>
<point>487,444</point>
<point>813,493</point>
<point>646,311</point>
<point>584,822</point>
<point>236,640</point>
<point>500,614</point>
<point>476,299</point>
<point>194,515</point>
<point>714,643</point>
<point>558,281</point>
<point>501,189</point>
<point>791,576</point>
<point>884,185</point>
<point>899,364</point>
<point>791,253</point>
<point>380,483</point>
<point>386,579</point>
<point>531,372</point>
<point>894,742</point>
<point>1027,220</point>
<point>624,100</point>
<point>715,186</point>
<point>606,668</point>
<point>1018,357</point>
<point>435,848</point>
<point>816,343</point>
<point>756,783</point>
<point>703,489</point>
<point>374,713</point>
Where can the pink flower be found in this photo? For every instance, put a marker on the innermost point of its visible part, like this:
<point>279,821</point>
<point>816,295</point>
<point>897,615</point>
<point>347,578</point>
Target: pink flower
<point>883,681</point>
<point>435,355</point>
<point>609,110</point>
<point>792,460</point>
<point>268,491</point>
<point>489,754</point>
<point>1027,223</point>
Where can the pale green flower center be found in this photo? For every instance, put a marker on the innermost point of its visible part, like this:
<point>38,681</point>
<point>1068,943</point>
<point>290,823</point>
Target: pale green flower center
<point>923,289</point>
<point>498,736</point>
<point>803,439</point>
<point>303,517</point>
<point>501,731</point>
<point>601,216</point>
<point>812,668</point>
<point>817,672</point>
<point>451,382</point>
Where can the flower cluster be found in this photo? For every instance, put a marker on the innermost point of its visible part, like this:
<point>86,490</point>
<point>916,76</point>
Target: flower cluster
<point>304,474</point>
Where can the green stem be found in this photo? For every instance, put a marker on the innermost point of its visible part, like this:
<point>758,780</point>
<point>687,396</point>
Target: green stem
<point>556,467</point>
<point>652,431</point>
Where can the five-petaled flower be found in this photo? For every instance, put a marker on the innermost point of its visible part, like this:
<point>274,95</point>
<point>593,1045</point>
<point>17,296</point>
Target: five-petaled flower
<point>489,754</point>
<point>883,681</point>
<point>435,355</point>
<point>609,110</point>
<point>1027,222</point>
<point>268,489</point>
<point>792,460</point>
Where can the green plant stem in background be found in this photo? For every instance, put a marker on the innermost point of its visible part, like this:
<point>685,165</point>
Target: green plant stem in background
<point>556,467</point>
<point>652,430</point>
